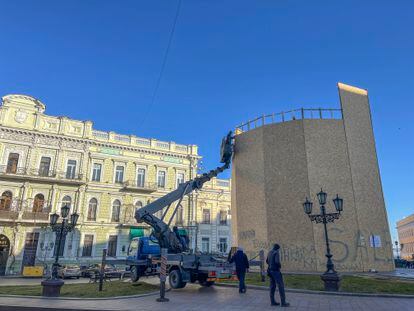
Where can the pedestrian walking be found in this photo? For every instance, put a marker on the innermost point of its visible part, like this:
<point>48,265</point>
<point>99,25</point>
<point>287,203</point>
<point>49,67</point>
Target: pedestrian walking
<point>242,264</point>
<point>276,278</point>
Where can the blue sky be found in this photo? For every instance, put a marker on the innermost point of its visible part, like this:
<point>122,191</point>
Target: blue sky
<point>229,61</point>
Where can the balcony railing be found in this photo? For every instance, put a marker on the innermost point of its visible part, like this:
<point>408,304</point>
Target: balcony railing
<point>36,216</point>
<point>297,114</point>
<point>40,174</point>
<point>9,215</point>
<point>144,187</point>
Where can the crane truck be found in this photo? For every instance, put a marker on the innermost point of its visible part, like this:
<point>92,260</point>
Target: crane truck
<point>183,265</point>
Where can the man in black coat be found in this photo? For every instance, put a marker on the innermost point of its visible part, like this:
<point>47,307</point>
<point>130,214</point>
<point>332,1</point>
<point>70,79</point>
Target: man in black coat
<point>273,271</point>
<point>242,264</point>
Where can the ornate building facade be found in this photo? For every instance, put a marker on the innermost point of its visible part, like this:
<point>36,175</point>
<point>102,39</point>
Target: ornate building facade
<point>213,217</point>
<point>405,228</point>
<point>48,162</point>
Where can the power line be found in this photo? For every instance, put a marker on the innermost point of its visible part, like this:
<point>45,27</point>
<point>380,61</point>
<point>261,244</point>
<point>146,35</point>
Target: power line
<point>164,62</point>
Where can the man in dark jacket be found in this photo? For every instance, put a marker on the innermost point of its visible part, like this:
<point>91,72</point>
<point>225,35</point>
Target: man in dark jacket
<point>273,271</point>
<point>242,264</point>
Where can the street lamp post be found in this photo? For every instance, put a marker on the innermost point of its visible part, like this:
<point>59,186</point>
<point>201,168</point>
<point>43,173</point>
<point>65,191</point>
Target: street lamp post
<point>398,251</point>
<point>330,278</point>
<point>51,286</point>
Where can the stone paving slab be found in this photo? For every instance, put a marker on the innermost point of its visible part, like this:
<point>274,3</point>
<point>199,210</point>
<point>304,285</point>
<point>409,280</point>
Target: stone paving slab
<point>196,298</point>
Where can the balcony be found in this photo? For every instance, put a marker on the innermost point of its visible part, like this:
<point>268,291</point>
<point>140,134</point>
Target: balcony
<point>9,215</point>
<point>133,186</point>
<point>39,175</point>
<point>39,217</point>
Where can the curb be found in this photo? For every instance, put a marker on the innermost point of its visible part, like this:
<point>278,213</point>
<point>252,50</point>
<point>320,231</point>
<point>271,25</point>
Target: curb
<point>78,298</point>
<point>315,292</point>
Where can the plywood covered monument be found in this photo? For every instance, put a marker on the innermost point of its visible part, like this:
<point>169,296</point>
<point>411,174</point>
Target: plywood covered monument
<point>281,159</point>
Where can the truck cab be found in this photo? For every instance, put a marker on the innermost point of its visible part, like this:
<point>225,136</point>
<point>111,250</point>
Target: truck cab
<point>140,258</point>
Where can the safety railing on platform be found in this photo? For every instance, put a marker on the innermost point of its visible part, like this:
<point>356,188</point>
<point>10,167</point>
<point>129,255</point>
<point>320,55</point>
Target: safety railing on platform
<point>296,114</point>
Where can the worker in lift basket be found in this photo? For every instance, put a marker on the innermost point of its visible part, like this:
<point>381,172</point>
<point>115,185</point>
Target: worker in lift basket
<point>242,265</point>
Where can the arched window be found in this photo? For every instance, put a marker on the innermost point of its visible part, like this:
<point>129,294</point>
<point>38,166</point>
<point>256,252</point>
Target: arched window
<point>6,200</point>
<point>38,203</point>
<point>116,209</point>
<point>93,205</point>
<point>67,200</point>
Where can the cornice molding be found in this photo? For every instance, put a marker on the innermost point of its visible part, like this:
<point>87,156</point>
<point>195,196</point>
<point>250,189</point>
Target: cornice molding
<point>89,142</point>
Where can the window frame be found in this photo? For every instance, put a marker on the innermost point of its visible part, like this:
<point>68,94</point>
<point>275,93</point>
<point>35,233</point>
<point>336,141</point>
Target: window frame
<point>225,222</point>
<point>43,201</point>
<point>96,209</point>
<point>142,185</point>
<point>205,239</point>
<point>177,183</point>
<point>118,219</point>
<point>93,177</point>
<point>116,181</point>
<point>203,220</point>
<point>41,171</point>
<point>165,179</point>
<point>8,166</point>
<point>92,246</point>
<point>108,245</point>
<point>73,169</point>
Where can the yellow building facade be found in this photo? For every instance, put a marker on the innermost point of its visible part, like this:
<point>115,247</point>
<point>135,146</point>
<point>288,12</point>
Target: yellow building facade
<point>48,162</point>
<point>405,229</point>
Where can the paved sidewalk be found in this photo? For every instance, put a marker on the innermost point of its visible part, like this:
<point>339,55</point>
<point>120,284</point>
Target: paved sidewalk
<point>196,298</point>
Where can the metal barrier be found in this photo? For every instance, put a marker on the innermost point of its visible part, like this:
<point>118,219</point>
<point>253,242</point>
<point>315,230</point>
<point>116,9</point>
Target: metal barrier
<point>297,114</point>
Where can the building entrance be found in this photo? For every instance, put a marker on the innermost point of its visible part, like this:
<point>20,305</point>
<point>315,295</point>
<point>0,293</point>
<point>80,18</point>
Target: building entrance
<point>4,253</point>
<point>30,248</point>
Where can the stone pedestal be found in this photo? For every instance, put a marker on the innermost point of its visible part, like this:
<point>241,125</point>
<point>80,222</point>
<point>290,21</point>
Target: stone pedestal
<point>51,287</point>
<point>332,281</point>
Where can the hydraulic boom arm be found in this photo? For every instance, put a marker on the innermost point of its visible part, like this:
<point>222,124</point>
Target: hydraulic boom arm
<point>162,231</point>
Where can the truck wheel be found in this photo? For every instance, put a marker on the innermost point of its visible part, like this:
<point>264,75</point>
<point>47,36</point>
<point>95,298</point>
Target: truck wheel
<point>175,279</point>
<point>134,274</point>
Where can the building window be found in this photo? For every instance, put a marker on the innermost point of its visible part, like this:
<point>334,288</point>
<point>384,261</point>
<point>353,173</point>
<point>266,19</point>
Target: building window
<point>38,203</point>
<point>179,215</point>
<point>206,216</point>
<point>119,174</point>
<point>96,172</point>
<point>223,245</point>
<point>223,217</point>
<point>93,204</point>
<point>180,178</point>
<point>44,166</point>
<point>112,243</point>
<point>66,201</point>
<point>62,245</point>
<point>116,209</point>
<point>6,200</point>
<point>141,177</point>
<point>161,179</point>
<point>87,245</point>
<point>12,163</point>
<point>71,169</point>
<point>205,245</point>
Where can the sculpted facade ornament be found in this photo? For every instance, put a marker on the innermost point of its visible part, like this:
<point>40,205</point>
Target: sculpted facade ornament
<point>47,141</point>
<point>16,136</point>
<point>20,116</point>
<point>73,144</point>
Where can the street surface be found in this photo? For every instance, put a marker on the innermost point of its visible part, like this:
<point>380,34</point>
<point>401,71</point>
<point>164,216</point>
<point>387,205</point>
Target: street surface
<point>196,298</point>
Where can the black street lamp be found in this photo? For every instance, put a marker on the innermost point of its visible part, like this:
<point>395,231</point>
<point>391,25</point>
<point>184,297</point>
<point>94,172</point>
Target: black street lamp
<point>331,278</point>
<point>51,286</point>
<point>398,251</point>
